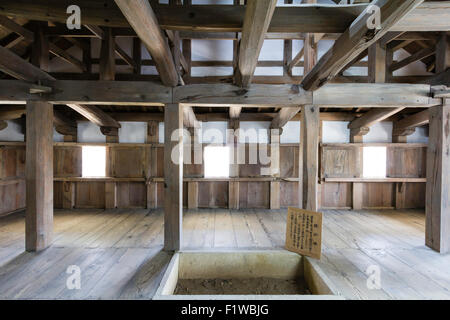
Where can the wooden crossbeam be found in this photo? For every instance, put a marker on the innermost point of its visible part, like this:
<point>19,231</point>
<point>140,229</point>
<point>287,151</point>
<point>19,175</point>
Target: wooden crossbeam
<point>421,54</point>
<point>223,95</point>
<point>18,68</point>
<point>358,37</point>
<point>141,17</point>
<point>430,16</point>
<point>258,15</point>
<point>284,116</point>
<point>359,126</point>
<point>53,48</point>
<point>408,124</point>
<point>11,112</point>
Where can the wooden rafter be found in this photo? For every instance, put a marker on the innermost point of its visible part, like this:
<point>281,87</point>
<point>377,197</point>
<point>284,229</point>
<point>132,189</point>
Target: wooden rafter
<point>258,15</point>
<point>407,125</point>
<point>141,17</point>
<point>18,68</point>
<point>358,37</point>
<point>360,125</point>
<point>430,16</point>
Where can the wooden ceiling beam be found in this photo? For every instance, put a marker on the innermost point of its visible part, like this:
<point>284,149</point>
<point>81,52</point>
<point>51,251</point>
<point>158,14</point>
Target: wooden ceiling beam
<point>11,112</point>
<point>358,37</point>
<point>419,55</point>
<point>18,68</point>
<point>143,20</point>
<point>284,116</point>
<point>363,123</point>
<point>258,15</point>
<point>407,125</point>
<point>222,94</point>
<point>430,16</point>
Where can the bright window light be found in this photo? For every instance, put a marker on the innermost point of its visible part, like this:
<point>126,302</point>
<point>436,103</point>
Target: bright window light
<point>217,162</point>
<point>374,162</point>
<point>94,162</point>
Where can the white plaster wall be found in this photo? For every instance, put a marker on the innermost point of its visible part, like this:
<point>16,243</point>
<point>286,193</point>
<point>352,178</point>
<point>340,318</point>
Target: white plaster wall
<point>57,137</point>
<point>214,132</point>
<point>291,133</point>
<point>254,132</point>
<point>380,132</point>
<point>12,133</point>
<point>419,136</point>
<point>133,132</point>
<point>335,132</point>
<point>90,133</point>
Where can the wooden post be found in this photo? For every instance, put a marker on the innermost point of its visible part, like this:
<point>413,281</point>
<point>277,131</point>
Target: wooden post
<point>192,185</point>
<point>233,186</point>
<point>310,137</point>
<point>68,195</point>
<point>108,56</point>
<point>275,168</point>
<point>173,177</point>
<point>437,205</point>
<point>152,171</point>
<point>39,176</point>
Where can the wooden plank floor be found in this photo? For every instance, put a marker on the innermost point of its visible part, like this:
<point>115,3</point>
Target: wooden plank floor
<point>120,252</point>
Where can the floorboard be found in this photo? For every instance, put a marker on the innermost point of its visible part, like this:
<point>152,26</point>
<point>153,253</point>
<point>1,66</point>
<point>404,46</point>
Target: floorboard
<point>119,252</point>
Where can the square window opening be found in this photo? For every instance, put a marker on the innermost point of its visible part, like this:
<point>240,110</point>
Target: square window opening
<point>217,162</point>
<point>93,162</point>
<point>374,162</point>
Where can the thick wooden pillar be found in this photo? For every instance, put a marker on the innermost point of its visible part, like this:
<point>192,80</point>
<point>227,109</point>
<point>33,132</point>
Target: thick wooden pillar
<point>39,176</point>
<point>310,143</point>
<point>437,205</point>
<point>173,176</point>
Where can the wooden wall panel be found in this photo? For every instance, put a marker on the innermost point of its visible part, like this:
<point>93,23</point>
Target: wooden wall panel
<point>378,195</point>
<point>12,169</point>
<point>339,162</point>
<point>254,170</point>
<point>288,194</point>
<point>336,195</point>
<point>415,195</point>
<point>289,161</point>
<point>213,194</point>
<point>128,162</point>
<point>254,195</point>
<point>58,195</point>
<point>67,161</point>
<point>12,197</point>
<point>90,195</point>
<point>131,195</point>
<point>406,162</point>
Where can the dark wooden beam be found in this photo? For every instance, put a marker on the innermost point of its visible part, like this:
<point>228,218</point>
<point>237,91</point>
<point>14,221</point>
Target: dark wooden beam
<point>419,55</point>
<point>430,16</point>
<point>407,125</point>
<point>373,116</point>
<point>284,116</point>
<point>107,68</point>
<point>141,17</point>
<point>358,37</point>
<point>258,15</point>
